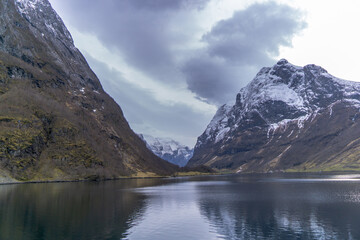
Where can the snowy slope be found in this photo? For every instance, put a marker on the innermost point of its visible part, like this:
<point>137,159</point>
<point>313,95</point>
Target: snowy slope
<point>295,93</point>
<point>168,149</point>
<point>287,118</point>
<point>44,19</point>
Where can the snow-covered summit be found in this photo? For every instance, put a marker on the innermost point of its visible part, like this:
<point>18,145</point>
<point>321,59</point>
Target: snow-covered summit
<point>168,149</point>
<point>298,87</point>
<point>43,18</point>
<point>28,5</point>
<point>278,95</point>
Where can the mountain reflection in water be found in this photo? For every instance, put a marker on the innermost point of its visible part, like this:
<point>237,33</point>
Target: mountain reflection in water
<point>69,210</point>
<point>224,207</point>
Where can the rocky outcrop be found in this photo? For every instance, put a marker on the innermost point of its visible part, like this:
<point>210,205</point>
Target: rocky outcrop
<point>288,118</point>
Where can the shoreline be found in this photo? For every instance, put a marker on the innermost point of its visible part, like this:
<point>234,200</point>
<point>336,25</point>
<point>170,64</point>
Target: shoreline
<point>186,175</point>
<point>109,179</point>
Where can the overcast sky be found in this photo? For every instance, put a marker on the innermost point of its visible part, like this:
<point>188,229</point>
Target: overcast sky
<point>169,64</point>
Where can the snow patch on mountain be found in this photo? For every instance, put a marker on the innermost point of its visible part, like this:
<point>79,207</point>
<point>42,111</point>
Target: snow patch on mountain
<point>266,90</point>
<point>218,125</point>
<point>27,5</point>
<point>168,149</point>
<point>44,18</point>
<point>285,123</point>
<point>281,95</point>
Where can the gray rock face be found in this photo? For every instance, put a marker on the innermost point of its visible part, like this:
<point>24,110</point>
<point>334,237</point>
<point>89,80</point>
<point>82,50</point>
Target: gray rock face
<point>283,101</point>
<point>32,31</point>
<point>168,149</point>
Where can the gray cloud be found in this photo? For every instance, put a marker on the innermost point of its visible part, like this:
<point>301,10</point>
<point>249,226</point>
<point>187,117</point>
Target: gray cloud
<point>255,34</point>
<point>157,5</point>
<point>151,35</point>
<point>245,42</point>
<point>141,30</point>
<point>212,79</point>
<point>145,114</point>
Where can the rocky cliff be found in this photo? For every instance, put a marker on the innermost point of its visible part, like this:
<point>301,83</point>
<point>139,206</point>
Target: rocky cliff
<point>56,121</point>
<point>288,118</point>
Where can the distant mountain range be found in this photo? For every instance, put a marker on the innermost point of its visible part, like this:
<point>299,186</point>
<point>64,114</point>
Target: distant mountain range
<point>168,149</point>
<point>288,118</point>
<point>56,121</point>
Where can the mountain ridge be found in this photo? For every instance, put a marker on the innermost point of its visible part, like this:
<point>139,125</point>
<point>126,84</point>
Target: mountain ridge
<point>284,101</point>
<point>56,121</point>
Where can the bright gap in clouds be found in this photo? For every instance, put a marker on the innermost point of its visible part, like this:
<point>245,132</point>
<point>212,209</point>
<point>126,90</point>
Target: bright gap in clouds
<point>331,39</point>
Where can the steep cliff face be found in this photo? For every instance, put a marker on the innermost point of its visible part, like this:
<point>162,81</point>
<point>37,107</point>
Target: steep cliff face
<point>288,118</point>
<point>56,121</point>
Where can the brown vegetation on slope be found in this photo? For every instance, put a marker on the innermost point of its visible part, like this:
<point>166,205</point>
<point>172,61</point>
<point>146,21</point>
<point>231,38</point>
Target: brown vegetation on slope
<point>56,122</point>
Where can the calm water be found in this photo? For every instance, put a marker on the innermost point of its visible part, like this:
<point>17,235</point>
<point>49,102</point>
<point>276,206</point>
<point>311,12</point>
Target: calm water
<point>231,207</point>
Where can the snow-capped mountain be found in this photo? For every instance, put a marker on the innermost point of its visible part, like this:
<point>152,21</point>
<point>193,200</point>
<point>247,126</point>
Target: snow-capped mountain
<point>273,117</point>
<point>168,149</point>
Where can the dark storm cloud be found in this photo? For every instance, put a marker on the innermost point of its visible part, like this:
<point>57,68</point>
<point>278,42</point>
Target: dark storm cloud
<point>212,79</point>
<point>254,33</point>
<point>157,5</point>
<point>247,41</point>
<point>144,31</point>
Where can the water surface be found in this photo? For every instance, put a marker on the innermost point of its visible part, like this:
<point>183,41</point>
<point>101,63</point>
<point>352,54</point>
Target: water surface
<point>287,206</point>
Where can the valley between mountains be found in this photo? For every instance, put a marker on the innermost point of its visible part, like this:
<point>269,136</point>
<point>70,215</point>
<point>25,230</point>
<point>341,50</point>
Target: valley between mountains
<point>58,124</point>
